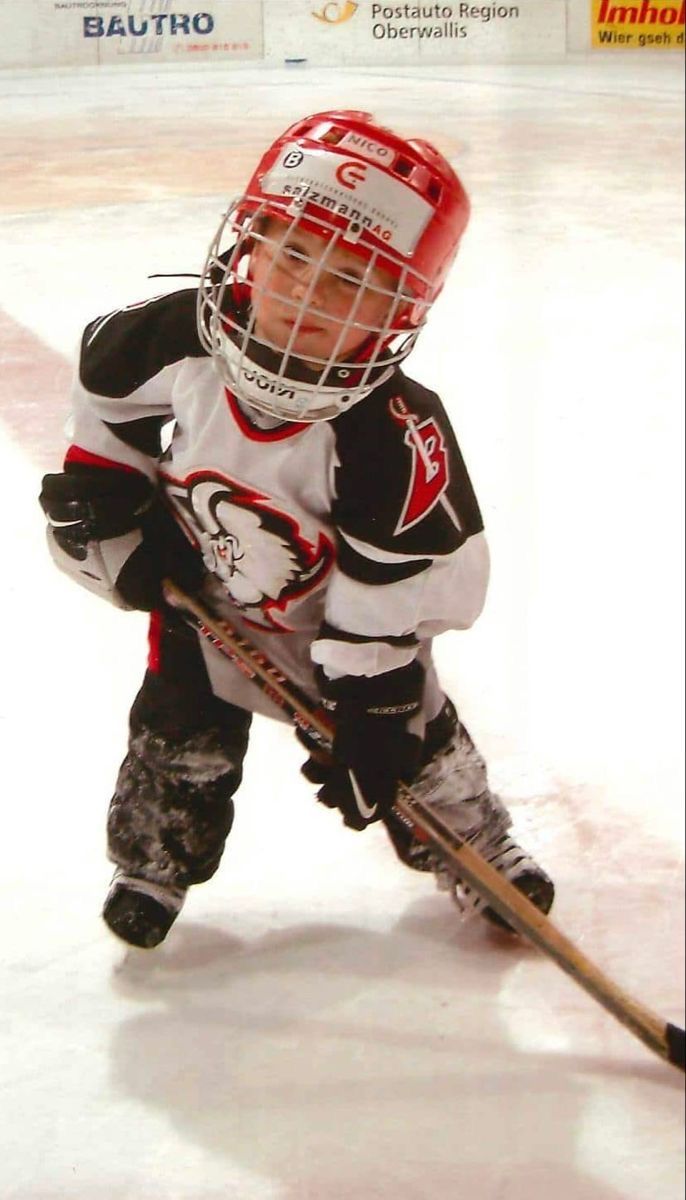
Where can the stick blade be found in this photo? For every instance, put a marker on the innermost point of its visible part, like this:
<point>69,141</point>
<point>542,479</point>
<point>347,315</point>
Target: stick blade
<point>675,1045</point>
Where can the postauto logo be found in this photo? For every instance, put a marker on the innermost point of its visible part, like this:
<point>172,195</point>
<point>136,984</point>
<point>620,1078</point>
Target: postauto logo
<point>334,13</point>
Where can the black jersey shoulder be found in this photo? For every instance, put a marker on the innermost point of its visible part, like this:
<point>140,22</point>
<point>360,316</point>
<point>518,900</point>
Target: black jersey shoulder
<point>124,349</point>
<point>401,481</point>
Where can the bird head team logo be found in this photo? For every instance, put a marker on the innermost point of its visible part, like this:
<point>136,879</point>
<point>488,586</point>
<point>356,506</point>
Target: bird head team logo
<point>258,551</point>
<point>429,475</point>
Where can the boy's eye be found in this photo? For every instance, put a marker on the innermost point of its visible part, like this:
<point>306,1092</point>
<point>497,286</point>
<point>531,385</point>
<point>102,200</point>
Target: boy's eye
<point>350,277</point>
<point>295,253</point>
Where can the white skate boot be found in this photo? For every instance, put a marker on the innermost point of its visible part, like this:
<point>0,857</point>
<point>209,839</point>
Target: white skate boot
<point>454,785</point>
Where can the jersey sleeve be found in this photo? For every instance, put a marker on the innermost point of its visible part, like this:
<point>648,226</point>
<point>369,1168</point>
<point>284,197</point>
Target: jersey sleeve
<point>127,364</point>
<point>412,559</point>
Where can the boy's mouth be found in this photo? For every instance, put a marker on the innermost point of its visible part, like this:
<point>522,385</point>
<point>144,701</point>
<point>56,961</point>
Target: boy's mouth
<point>303,328</point>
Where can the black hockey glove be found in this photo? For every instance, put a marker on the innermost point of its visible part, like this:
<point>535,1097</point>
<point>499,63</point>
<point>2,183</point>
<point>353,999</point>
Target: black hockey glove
<point>112,532</point>
<point>372,746</point>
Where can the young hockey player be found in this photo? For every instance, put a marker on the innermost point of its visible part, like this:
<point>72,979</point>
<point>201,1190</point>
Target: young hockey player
<point>256,441</point>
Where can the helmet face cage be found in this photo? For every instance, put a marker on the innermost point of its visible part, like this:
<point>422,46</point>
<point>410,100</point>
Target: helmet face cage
<point>271,377</point>
<point>333,182</point>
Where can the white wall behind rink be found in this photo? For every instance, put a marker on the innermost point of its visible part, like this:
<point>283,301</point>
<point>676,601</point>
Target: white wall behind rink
<point>94,32</point>
<point>45,33</point>
<point>373,33</point>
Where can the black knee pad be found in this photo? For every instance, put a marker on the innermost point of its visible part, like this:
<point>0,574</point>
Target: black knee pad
<point>172,809</point>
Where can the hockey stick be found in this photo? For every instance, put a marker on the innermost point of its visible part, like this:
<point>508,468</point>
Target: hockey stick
<point>663,1038</point>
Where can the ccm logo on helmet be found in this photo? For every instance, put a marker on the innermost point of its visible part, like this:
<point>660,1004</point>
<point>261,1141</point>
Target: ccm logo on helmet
<point>350,174</point>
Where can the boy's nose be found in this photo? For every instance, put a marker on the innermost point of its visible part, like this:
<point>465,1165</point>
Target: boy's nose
<point>310,280</point>
<point>300,288</point>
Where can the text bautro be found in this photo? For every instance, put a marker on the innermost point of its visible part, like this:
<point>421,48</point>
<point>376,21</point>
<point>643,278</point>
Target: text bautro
<point>200,23</point>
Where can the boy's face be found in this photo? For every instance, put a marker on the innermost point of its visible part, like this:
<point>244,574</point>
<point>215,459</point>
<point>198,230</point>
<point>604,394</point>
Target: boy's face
<point>283,273</point>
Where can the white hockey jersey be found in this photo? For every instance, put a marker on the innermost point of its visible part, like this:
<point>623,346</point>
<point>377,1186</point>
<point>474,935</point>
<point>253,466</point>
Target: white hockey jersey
<point>348,543</point>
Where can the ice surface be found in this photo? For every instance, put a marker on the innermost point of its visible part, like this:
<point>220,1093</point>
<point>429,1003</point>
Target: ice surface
<point>318,1026</point>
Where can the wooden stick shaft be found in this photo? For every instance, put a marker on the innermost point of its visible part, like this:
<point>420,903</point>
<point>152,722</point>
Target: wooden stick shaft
<point>534,925</point>
<point>664,1039</point>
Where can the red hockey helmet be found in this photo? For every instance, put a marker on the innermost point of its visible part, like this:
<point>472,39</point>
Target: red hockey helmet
<point>381,191</point>
<point>394,203</point>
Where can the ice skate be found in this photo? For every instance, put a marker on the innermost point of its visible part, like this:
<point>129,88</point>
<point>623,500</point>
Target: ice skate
<point>454,785</point>
<point>140,912</point>
<point>510,860</point>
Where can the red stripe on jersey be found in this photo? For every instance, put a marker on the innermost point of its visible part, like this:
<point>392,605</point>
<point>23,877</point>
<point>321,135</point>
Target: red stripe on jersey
<point>288,429</point>
<point>154,642</point>
<point>76,455</point>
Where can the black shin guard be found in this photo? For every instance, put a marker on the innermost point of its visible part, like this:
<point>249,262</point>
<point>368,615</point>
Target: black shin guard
<point>172,809</point>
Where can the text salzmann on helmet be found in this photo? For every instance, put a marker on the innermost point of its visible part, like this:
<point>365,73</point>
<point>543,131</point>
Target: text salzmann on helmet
<point>303,194</point>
